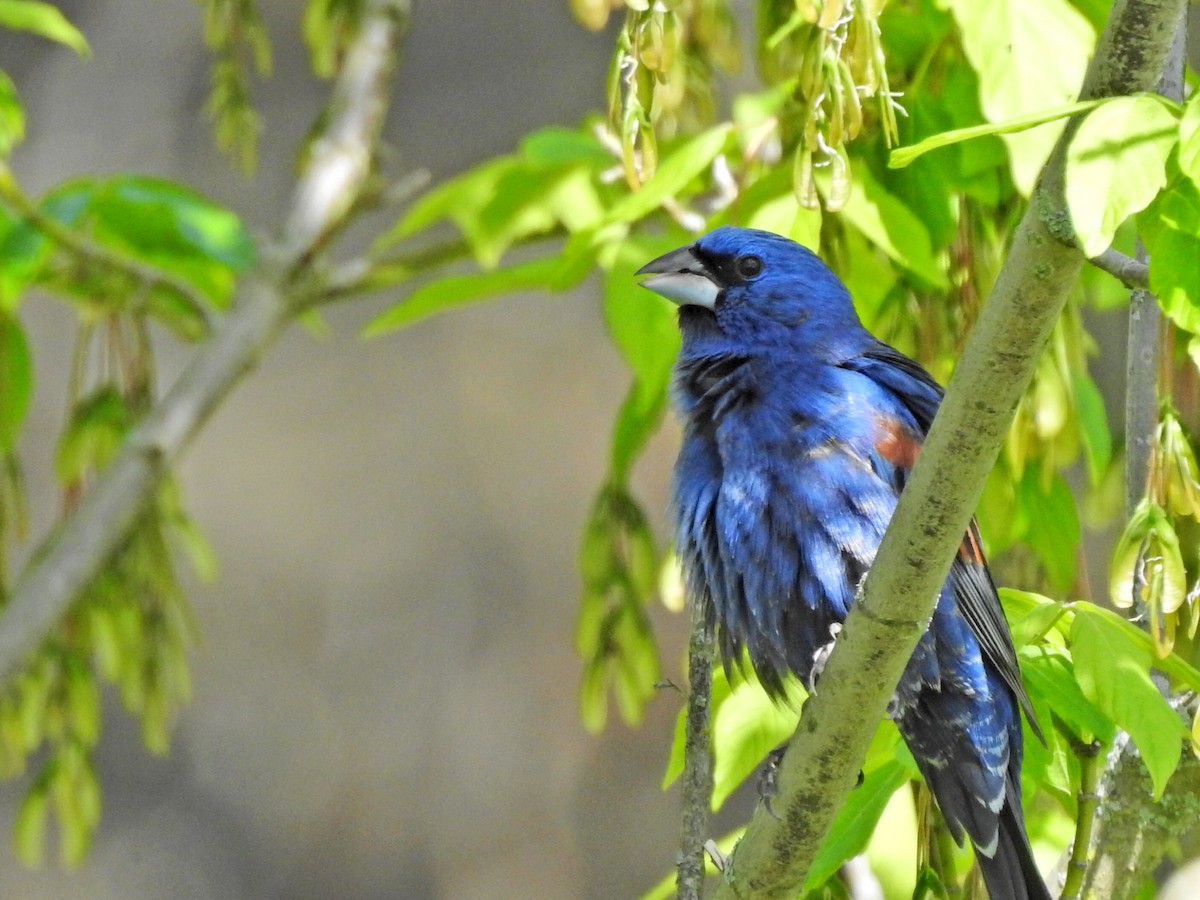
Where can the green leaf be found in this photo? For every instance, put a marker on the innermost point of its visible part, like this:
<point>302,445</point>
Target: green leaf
<point>1093,425</point>
<point>174,228</point>
<point>1052,767</point>
<point>29,829</point>
<point>1051,526</point>
<point>745,728</point>
<point>1173,664</point>
<point>1116,165</point>
<point>552,181</point>
<point>16,381</point>
<point>461,290</point>
<point>1189,139</point>
<point>42,19</point>
<point>903,156</point>
<point>1114,673</point>
<point>459,199</point>
<point>12,116</point>
<point>1030,55</point>
<point>97,427</point>
<point>642,325</point>
<point>531,202</point>
<point>151,221</point>
<point>555,146</point>
<point>891,226</point>
<point>1171,229</point>
<point>1050,675</point>
<point>1030,616</point>
<point>675,171</point>
<point>869,276</point>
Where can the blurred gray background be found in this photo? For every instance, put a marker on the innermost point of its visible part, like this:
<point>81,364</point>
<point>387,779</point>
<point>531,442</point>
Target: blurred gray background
<point>385,690</point>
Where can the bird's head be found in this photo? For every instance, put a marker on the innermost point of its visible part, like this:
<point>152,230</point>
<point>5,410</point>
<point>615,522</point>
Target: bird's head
<point>754,287</point>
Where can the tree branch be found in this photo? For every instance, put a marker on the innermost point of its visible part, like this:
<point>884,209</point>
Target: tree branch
<point>697,761</point>
<point>896,600</point>
<point>266,302</point>
<point>1133,273</point>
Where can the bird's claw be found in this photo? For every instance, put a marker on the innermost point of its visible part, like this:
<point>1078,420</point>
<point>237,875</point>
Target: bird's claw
<point>768,787</point>
<point>821,656</point>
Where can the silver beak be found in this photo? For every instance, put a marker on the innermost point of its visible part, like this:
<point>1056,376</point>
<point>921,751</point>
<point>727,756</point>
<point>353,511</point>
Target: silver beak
<point>681,278</point>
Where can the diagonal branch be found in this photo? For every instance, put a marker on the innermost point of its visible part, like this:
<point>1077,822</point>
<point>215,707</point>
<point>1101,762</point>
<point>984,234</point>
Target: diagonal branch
<point>896,600</point>
<point>266,303</point>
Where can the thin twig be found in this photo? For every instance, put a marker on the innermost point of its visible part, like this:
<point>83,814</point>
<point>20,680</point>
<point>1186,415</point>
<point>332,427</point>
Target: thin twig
<point>1087,801</point>
<point>697,762</point>
<point>265,304</point>
<point>1141,389</point>
<point>359,276</point>
<point>1133,273</point>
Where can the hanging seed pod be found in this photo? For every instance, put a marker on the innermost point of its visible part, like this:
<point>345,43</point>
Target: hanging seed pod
<point>803,182</point>
<point>593,14</point>
<point>1124,576</point>
<point>839,179</point>
<point>852,117</point>
<point>831,14</point>
<point>1177,461</point>
<point>1148,573</point>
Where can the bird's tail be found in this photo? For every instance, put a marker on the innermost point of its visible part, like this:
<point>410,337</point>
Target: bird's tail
<point>1011,873</point>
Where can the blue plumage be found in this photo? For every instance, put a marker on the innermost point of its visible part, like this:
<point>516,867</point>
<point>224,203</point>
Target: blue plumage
<point>800,429</point>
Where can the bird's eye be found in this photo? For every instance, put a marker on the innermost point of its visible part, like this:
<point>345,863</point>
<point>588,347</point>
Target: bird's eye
<point>748,266</point>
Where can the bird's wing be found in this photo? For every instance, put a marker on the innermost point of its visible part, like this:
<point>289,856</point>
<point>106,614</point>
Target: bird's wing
<point>915,389</point>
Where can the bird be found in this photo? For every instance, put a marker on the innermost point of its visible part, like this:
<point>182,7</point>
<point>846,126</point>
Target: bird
<point>800,429</point>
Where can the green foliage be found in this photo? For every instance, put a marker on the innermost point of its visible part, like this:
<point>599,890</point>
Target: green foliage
<point>1030,55</point>
<point>12,116</point>
<point>328,26</point>
<point>126,242</point>
<point>240,44</point>
<point>43,19</point>
<point>1170,228</point>
<point>125,251</point>
<point>1086,669</point>
<point>902,156</point>
<point>1116,165</point>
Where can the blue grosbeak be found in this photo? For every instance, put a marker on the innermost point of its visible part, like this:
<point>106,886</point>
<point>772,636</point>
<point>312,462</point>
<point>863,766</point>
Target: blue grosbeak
<point>800,430</point>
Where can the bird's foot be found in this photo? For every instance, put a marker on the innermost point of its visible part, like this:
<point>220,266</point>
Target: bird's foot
<point>821,656</point>
<point>768,787</point>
